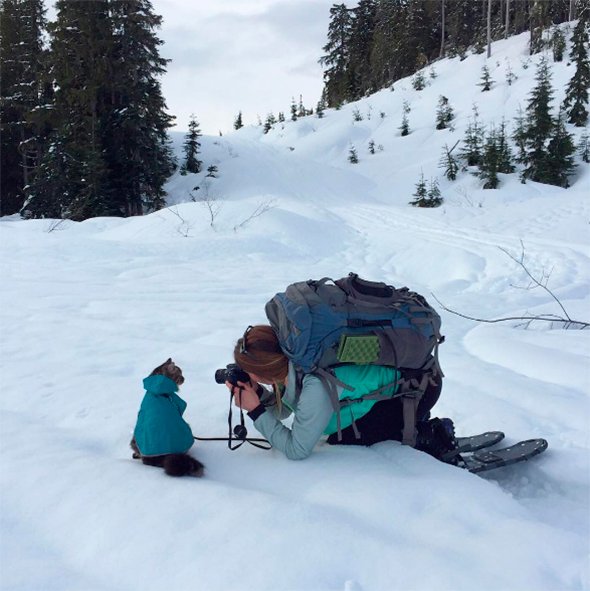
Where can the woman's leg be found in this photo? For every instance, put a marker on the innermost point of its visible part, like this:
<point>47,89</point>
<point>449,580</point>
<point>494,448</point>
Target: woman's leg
<point>385,421</point>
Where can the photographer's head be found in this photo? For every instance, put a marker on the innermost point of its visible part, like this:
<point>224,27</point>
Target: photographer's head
<point>258,353</point>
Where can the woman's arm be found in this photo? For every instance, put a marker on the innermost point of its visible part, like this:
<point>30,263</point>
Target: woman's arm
<point>311,415</point>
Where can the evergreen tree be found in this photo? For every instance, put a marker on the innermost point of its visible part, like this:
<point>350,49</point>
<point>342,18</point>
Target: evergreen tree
<point>539,125</point>
<point>281,117</point>
<point>269,123</point>
<point>371,146</point>
<point>320,109</point>
<point>449,163</point>
<point>434,197</point>
<point>75,158</point>
<point>584,147</point>
<point>519,135</point>
<point>23,120</point>
<point>473,141</point>
<point>430,197</point>
<point>238,124</point>
<point>385,67</point>
<point>137,145</point>
<point>301,110</point>
<point>294,115</point>
<point>336,60</point>
<point>486,79</point>
<point>352,155</point>
<point>558,44</point>
<point>405,126</point>
<point>505,157</point>
<point>489,165</point>
<point>560,154</point>
<point>362,27</point>
<point>420,194</point>
<point>444,113</point>
<point>419,81</point>
<point>191,148</point>
<point>109,153</point>
<point>576,97</point>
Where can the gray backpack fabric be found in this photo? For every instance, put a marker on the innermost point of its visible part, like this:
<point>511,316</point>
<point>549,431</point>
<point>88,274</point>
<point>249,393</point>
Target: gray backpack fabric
<point>324,323</point>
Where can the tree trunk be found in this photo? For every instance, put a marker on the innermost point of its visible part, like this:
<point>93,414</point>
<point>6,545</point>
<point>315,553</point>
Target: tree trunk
<point>442,35</point>
<point>489,27</point>
<point>507,22</point>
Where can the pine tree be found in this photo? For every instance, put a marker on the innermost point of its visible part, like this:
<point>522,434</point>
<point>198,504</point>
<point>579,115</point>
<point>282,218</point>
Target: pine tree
<point>505,157</point>
<point>238,124</point>
<point>74,167</point>
<point>301,110</point>
<point>430,197</point>
<point>362,27</point>
<point>576,97</point>
<point>23,120</point>
<point>138,148</point>
<point>419,81</point>
<point>352,155</point>
<point>320,109</point>
<point>434,197</point>
<point>281,117</point>
<point>371,146</point>
<point>420,194</point>
<point>109,153</point>
<point>558,44</point>
<point>444,113</point>
<point>269,123</point>
<point>584,147</point>
<point>294,116</point>
<point>473,141</point>
<point>560,154</point>
<point>539,125</point>
<point>489,166</point>
<point>486,79</point>
<point>519,135</point>
<point>449,163</point>
<point>405,126</point>
<point>191,148</point>
<point>337,58</point>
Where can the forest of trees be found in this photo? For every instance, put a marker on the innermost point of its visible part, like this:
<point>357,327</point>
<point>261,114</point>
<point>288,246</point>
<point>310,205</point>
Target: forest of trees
<point>84,127</point>
<point>378,42</point>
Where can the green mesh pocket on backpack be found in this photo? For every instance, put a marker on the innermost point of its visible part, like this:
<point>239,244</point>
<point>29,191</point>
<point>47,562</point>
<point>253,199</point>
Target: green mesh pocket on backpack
<point>360,349</point>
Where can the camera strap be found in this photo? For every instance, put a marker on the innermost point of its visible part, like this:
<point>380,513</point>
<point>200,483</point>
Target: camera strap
<point>239,433</point>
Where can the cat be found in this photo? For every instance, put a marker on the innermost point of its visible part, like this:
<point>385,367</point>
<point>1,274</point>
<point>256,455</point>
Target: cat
<point>164,412</point>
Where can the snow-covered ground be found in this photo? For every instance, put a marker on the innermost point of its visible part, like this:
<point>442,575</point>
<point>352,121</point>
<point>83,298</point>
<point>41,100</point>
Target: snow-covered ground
<point>88,309</point>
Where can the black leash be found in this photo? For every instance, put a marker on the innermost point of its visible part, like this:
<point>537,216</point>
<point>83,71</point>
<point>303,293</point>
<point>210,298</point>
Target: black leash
<point>239,433</point>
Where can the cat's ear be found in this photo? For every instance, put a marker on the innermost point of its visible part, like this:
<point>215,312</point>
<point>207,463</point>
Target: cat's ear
<point>169,360</point>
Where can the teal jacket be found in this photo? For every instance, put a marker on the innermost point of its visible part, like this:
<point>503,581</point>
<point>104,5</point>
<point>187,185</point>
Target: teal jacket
<point>160,428</point>
<point>313,415</point>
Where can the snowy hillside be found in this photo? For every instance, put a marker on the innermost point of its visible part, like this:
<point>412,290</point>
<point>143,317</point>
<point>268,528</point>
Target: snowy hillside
<point>88,309</point>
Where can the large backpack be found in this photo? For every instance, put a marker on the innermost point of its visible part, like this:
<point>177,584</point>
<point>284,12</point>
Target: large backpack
<point>322,324</point>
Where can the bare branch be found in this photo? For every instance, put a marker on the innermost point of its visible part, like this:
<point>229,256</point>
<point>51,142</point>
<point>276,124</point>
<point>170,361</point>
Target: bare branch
<point>260,209</point>
<point>536,282</point>
<point>566,321</point>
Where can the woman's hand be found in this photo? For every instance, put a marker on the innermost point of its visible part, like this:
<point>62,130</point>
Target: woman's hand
<point>245,395</point>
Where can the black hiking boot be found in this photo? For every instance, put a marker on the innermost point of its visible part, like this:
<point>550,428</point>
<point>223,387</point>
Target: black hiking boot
<point>436,437</point>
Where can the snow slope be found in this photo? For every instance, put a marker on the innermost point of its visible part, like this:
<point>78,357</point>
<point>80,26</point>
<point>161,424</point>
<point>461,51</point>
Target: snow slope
<point>88,309</point>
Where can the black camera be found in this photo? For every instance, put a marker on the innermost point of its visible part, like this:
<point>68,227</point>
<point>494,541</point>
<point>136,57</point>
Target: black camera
<point>232,373</point>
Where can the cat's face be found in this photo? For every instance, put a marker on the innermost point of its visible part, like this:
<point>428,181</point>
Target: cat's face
<point>170,370</point>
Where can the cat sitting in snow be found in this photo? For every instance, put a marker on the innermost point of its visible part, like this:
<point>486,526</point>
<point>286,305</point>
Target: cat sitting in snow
<point>162,437</point>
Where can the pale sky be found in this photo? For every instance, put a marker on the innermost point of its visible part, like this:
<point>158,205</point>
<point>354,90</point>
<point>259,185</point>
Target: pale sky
<point>241,55</point>
<point>228,56</point>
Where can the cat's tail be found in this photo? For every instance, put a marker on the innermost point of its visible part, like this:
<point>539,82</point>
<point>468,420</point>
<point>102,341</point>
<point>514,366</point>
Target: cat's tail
<point>181,465</point>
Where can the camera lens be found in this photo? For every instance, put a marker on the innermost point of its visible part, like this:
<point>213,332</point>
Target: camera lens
<point>220,376</point>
